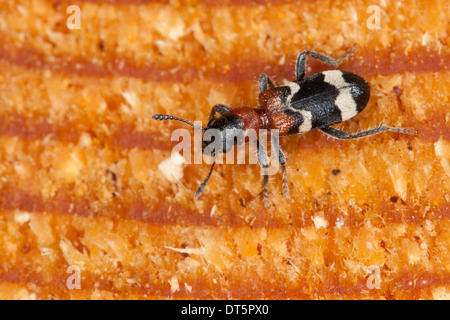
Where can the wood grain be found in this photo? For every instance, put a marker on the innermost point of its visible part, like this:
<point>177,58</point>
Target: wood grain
<point>79,153</point>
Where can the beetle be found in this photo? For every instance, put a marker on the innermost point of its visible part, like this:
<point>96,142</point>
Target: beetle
<point>317,101</point>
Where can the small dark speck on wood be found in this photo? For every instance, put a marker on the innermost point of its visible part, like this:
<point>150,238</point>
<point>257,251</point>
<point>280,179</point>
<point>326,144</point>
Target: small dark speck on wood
<point>336,171</point>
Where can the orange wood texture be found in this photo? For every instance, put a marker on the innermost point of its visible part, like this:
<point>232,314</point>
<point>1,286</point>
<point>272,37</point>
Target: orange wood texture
<point>82,178</point>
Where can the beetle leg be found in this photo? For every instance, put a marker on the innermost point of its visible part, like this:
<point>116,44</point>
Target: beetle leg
<point>220,109</point>
<point>263,160</point>
<point>300,66</point>
<point>339,134</point>
<point>282,161</point>
<point>265,82</point>
<point>203,185</point>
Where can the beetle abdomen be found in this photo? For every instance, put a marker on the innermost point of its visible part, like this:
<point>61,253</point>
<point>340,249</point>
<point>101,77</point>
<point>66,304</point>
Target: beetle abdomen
<point>325,99</point>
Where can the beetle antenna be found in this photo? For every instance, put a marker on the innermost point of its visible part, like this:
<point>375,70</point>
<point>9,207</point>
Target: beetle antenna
<point>203,185</point>
<point>169,117</point>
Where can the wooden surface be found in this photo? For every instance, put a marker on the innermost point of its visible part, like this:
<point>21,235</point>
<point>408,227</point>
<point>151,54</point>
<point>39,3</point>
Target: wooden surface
<point>79,154</point>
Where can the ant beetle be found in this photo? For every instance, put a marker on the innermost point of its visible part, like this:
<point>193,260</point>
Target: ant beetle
<point>313,102</point>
